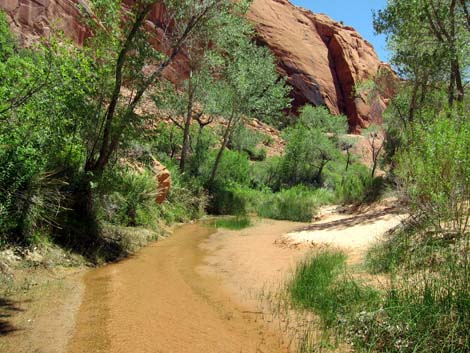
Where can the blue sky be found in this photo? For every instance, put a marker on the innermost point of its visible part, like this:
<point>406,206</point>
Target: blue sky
<point>355,13</point>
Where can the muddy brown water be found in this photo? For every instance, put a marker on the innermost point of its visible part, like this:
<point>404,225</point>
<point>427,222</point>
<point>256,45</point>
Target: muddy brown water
<point>159,302</point>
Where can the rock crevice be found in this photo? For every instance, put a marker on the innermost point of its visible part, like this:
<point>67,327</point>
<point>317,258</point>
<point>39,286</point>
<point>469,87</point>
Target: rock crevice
<point>329,60</point>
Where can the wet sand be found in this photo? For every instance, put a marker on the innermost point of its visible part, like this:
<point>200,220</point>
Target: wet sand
<point>160,301</point>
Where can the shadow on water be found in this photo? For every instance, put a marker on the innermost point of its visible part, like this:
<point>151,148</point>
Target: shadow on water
<point>7,309</point>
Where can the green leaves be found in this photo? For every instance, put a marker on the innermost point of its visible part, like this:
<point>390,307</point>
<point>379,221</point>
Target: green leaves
<point>433,171</point>
<point>311,145</point>
<point>430,42</point>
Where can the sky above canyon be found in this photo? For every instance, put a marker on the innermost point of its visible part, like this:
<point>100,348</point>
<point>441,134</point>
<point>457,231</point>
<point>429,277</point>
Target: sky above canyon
<point>357,14</point>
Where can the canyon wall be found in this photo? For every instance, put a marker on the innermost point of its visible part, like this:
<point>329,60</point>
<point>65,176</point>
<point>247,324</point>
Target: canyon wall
<point>323,60</point>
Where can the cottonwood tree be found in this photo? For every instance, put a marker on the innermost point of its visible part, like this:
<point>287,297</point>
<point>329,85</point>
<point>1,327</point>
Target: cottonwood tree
<point>376,140</point>
<point>430,40</point>
<point>204,52</point>
<point>312,143</point>
<point>125,57</point>
<point>248,85</point>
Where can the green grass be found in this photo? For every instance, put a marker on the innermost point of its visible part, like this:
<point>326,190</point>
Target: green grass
<point>427,306</point>
<point>297,204</point>
<point>385,256</point>
<point>321,284</point>
<point>234,223</point>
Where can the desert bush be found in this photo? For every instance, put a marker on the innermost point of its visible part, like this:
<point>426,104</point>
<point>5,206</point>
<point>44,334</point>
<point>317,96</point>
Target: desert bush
<point>267,174</point>
<point>234,172</point>
<point>167,143</point>
<point>298,203</point>
<point>227,200</point>
<point>127,197</point>
<point>426,308</point>
<point>434,173</point>
<point>234,168</point>
<point>187,199</point>
<point>311,145</point>
<point>43,93</point>
<point>355,185</point>
<point>244,139</point>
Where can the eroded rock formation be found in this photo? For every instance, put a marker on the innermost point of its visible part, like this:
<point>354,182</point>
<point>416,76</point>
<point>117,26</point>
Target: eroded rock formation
<point>31,19</point>
<point>323,59</point>
<point>163,177</point>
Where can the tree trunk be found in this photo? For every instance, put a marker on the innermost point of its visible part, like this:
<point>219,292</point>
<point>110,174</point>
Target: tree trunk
<point>348,161</point>
<point>227,134</point>
<point>323,163</point>
<point>187,124</point>
<point>458,81</point>
<point>414,100</point>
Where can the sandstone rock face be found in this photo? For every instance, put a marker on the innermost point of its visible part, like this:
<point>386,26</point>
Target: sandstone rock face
<point>164,181</point>
<point>31,19</point>
<point>322,59</point>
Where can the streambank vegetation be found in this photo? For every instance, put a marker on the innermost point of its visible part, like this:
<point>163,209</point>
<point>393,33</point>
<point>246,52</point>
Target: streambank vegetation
<point>77,156</point>
<point>412,293</point>
<point>78,146</point>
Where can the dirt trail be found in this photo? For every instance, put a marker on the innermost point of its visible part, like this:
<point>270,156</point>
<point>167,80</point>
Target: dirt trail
<point>159,301</point>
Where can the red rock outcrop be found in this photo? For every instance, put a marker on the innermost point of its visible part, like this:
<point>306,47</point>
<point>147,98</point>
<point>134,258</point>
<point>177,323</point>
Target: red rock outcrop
<point>323,59</point>
<point>164,181</point>
<point>32,19</point>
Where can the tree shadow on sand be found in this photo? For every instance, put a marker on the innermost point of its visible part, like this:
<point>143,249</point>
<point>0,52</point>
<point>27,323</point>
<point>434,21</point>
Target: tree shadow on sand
<point>354,220</point>
<point>7,309</point>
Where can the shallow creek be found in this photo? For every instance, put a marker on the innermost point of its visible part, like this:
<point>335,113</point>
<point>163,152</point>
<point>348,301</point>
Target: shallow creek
<point>160,302</point>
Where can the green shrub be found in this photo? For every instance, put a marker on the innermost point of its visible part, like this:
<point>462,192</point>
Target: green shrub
<point>424,311</point>
<point>187,199</point>
<point>434,173</point>
<point>267,174</point>
<point>234,168</point>
<point>257,154</point>
<point>244,139</point>
<point>168,141</point>
<point>299,204</point>
<point>311,145</point>
<point>247,140</point>
<point>234,172</point>
<point>227,200</point>
<point>355,185</point>
<point>127,197</point>
<point>43,96</point>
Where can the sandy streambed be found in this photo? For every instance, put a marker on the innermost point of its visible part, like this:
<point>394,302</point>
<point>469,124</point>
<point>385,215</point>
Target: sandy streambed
<point>199,291</point>
<point>168,299</point>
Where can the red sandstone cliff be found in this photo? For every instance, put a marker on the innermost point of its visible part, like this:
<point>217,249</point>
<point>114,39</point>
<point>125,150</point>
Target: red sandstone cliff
<point>322,59</point>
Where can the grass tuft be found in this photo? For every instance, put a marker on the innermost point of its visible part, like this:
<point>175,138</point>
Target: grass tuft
<point>321,284</point>
<point>234,223</point>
